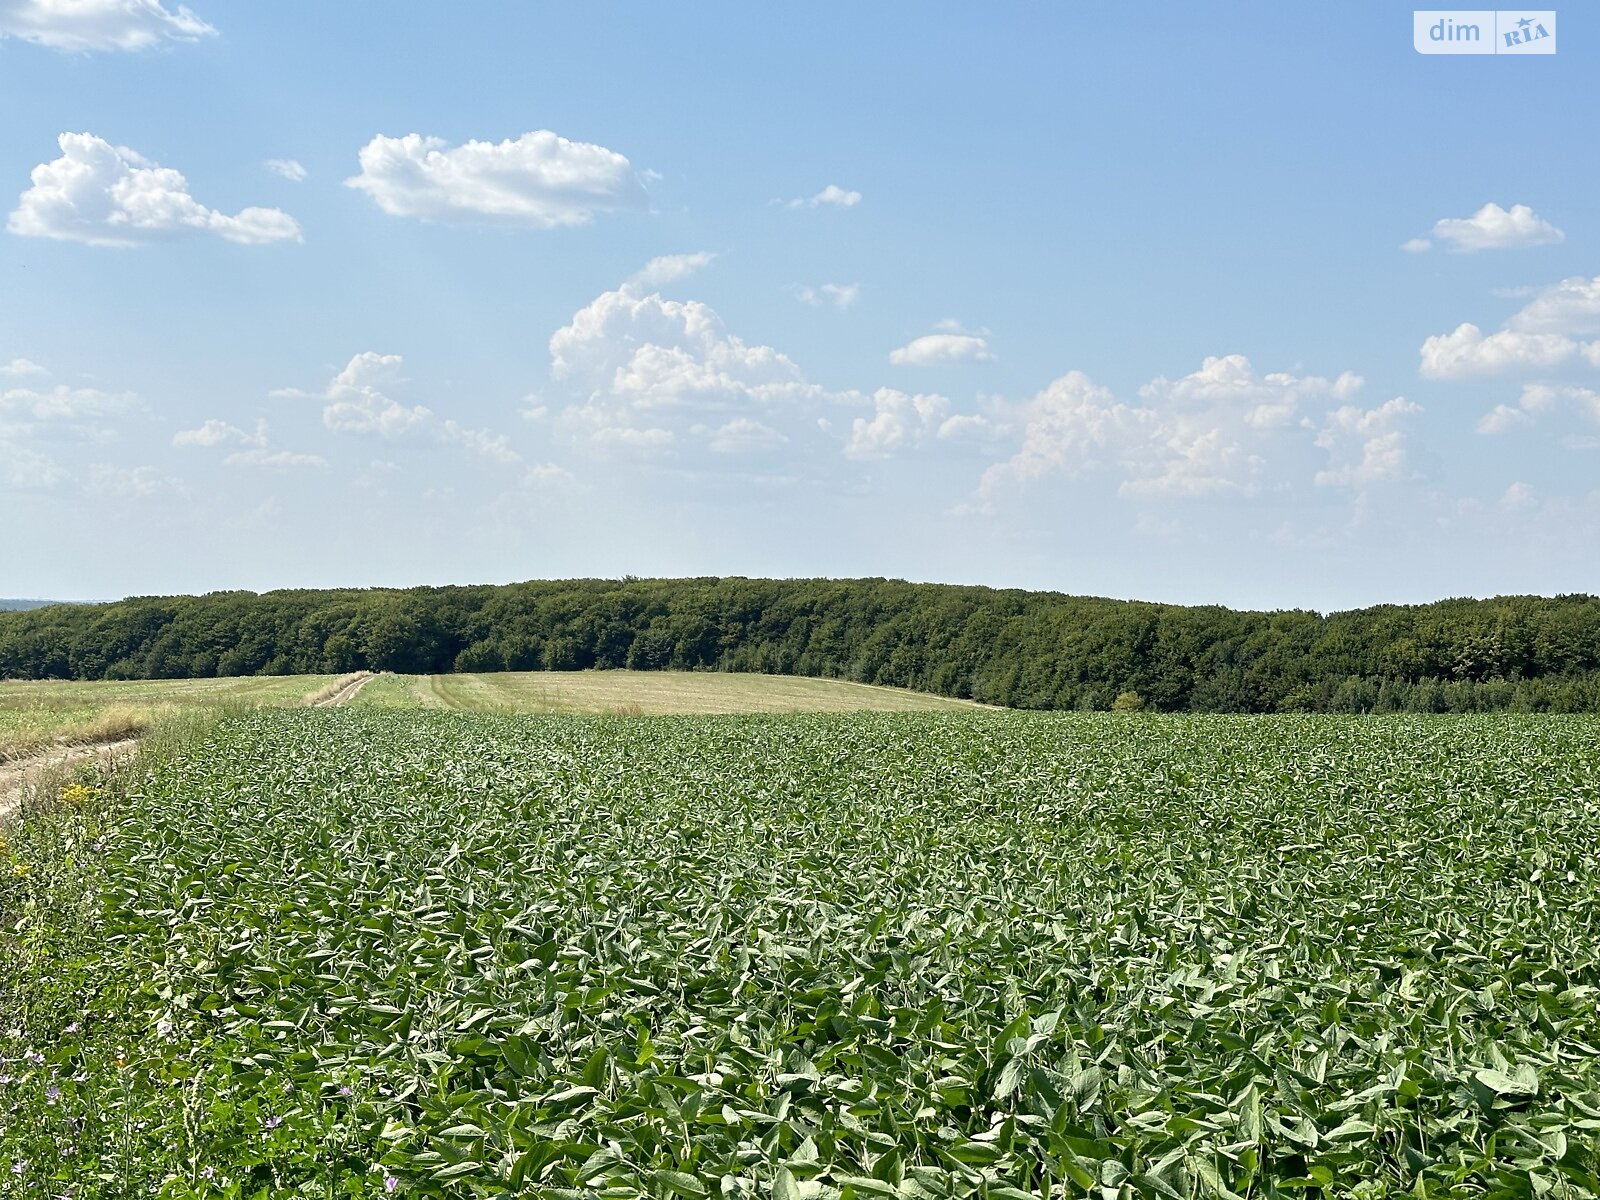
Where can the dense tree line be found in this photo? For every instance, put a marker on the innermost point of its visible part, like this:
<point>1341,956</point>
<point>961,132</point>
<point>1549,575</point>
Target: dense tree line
<point>1017,648</point>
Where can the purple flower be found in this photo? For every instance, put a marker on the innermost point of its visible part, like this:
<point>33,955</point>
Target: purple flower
<point>345,1090</point>
<point>274,1122</point>
<point>390,1183</point>
<point>52,1093</point>
<point>34,1057</point>
<point>18,1167</point>
<point>208,1173</point>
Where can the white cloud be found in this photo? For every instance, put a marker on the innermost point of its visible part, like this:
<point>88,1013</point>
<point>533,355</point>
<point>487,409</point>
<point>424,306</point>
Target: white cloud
<point>1539,399</point>
<point>25,469</point>
<point>356,405</point>
<point>1219,430</point>
<point>1268,402</point>
<point>77,412</point>
<point>356,402</point>
<point>288,168</point>
<point>1364,444</point>
<point>833,196</point>
<point>743,436</point>
<point>20,367</point>
<point>1503,417</point>
<point>942,350</point>
<point>548,475</point>
<point>480,441</point>
<point>1518,495</point>
<point>109,195</point>
<point>1570,307</point>
<point>840,295</point>
<point>1416,245</point>
<point>133,483</point>
<point>634,352</point>
<point>538,180</point>
<point>217,432</point>
<point>898,420</point>
<point>669,268</point>
<point>1491,228</point>
<point>651,375</point>
<point>1469,351</point>
<point>79,26</point>
<point>275,460</point>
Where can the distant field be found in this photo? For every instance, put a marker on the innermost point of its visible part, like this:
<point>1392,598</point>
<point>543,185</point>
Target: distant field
<point>642,691</point>
<point>34,713</point>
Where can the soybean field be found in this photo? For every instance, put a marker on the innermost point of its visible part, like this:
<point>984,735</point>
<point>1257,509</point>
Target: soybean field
<point>357,952</point>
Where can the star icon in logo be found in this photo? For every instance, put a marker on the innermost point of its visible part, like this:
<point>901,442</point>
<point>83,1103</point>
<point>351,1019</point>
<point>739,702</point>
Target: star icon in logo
<point>1525,22</point>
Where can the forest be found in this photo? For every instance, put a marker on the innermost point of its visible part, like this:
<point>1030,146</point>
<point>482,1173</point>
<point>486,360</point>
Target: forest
<point>1020,649</point>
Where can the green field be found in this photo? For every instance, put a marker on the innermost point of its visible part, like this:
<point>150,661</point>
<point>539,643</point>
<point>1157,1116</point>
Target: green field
<point>642,692</point>
<point>365,953</point>
<point>35,713</point>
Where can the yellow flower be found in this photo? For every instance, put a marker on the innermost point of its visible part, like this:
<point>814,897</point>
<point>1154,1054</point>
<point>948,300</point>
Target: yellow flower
<point>76,795</point>
<point>21,869</point>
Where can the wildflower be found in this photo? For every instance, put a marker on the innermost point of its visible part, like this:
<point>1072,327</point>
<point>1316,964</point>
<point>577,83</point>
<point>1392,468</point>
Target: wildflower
<point>21,870</point>
<point>164,1027</point>
<point>76,795</point>
<point>18,1167</point>
<point>274,1122</point>
<point>75,1027</point>
<point>52,1094</point>
<point>345,1090</point>
<point>208,1173</point>
<point>35,1057</point>
<point>390,1183</point>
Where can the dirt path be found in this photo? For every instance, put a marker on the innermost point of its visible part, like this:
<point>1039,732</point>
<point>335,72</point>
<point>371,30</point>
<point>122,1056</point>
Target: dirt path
<point>345,694</point>
<point>17,777</point>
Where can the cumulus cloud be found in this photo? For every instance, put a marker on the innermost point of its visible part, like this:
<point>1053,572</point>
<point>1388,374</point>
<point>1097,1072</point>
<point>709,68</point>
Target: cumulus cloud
<point>539,180</point>
<point>548,475</point>
<point>76,412</point>
<point>655,376</point>
<point>1490,228</point>
<point>81,26</point>
<point>635,352</point>
<point>109,195</point>
<point>670,268</point>
<point>356,405</point>
<point>216,432</point>
<point>19,368</point>
<point>1268,401</point>
<point>23,469</point>
<point>1220,430</point>
<point>832,196</point>
<point>743,436</point>
<point>899,420</point>
<point>942,350</point>
<point>1467,351</point>
<point>1537,400</point>
<point>1569,307</point>
<point>133,483</point>
<point>1365,444</point>
<point>288,168</point>
<point>1547,333</point>
<point>261,458</point>
<point>840,295</point>
<point>357,401</point>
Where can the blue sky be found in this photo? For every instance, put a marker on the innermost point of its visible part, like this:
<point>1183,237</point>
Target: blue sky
<point>1246,303</point>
